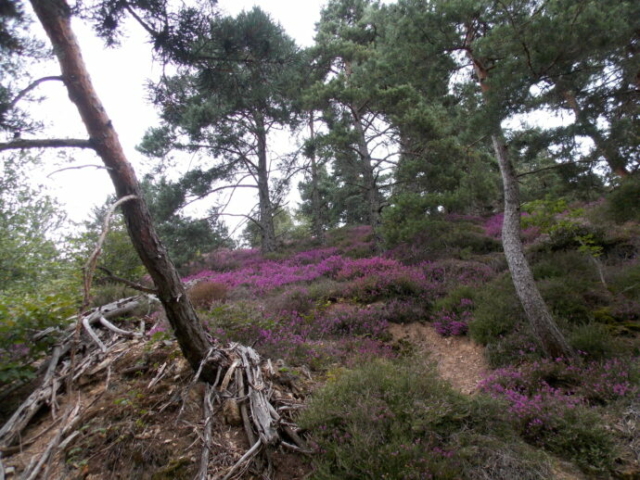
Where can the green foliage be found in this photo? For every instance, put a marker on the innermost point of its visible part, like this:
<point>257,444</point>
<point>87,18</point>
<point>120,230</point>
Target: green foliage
<point>117,252</point>
<point>29,257</point>
<point>622,203</point>
<point>593,340</point>
<point>397,420</point>
<point>497,311</point>
<point>22,316</point>
<point>436,236</point>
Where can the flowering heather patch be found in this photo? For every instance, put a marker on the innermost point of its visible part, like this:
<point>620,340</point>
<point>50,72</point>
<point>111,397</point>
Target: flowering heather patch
<point>374,277</point>
<point>454,273</point>
<point>454,322</point>
<point>493,225</point>
<point>540,389</point>
<point>313,256</point>
<point>493,228</point>
<point>405,311</point>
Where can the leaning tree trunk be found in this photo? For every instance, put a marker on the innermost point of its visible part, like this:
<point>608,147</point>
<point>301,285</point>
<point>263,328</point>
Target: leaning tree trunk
<point>542,323</point>
<point>54,15</point>
<point>535,308</point>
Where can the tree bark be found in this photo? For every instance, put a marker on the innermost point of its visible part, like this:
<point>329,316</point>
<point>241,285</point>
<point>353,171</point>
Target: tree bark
<point>268,231</point>
<point>316,206</point>
<point>54,15</point>
<point>542,323</point>
<point>369,178</point>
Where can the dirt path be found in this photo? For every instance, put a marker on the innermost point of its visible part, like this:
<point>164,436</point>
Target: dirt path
<point>459,360</point>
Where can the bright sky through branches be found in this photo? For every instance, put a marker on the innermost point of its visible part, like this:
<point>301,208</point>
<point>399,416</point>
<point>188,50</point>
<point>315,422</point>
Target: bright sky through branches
<point>120,76</point>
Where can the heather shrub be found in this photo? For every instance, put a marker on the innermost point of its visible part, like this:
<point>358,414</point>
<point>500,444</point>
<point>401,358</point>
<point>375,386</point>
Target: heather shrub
<point>513,348</point>
<point>547,265</point>
<point>398,420</point>
<point>593,340</point>
<point>377,287</point>
<point>497,313</point>
<point>622,203</point>
<point>206,294</point>
<point>405,310</point>
<point>450,274</point>
<point>294,299</point>
<point>453,321</point>
<point>325,290</point>
<point>549,405</point>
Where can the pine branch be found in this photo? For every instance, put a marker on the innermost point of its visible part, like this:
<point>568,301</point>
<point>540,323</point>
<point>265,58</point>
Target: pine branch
<point>33,85</point>
<point>19,144</point>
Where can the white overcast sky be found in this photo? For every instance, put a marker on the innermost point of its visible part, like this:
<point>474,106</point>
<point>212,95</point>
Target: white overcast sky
<point>119,76</point>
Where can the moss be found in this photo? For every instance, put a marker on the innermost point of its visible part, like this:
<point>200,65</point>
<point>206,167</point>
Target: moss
<point>177,469</point>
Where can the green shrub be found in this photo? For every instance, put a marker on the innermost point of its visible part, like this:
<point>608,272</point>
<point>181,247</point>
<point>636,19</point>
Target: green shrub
<point>453,299</point>
<point>497,313</point>
<point>397,420</point>
<point>110,292</point>
<point>593,340</point>
<point>513,348</point>
<point>21,317</point>
<point>622,203</point>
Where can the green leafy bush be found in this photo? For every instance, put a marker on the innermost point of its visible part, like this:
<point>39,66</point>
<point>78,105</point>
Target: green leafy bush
<point>21,317</point>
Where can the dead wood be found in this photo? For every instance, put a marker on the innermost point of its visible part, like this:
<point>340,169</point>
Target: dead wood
<point>58,373</point>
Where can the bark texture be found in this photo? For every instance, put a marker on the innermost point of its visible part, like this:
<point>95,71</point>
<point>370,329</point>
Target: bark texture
<point>542,323</point>
<point>54,15</point>
<point>369,178</point>
<point>268,231</point>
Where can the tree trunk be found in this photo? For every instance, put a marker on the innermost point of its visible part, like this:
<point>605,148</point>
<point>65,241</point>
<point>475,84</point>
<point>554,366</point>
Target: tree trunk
<point>535,308</point>
<point>54,15</point>
<point>370,184</point>
<point>542,323</point>
<point>267,228</point>
<point>316,207</point>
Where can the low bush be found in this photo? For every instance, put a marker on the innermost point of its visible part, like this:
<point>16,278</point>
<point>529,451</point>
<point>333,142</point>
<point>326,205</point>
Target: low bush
<point>21,317</point>
<point>206,294</point>
<point>622,203</point>
<point>592,340</point>
<point>549,402</point>
<point>498,311</point>
<point>397,420</point>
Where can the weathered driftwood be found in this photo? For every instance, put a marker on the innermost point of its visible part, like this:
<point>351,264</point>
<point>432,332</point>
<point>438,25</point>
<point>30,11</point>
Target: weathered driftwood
<point>239,384</point>
<point>56,374</point>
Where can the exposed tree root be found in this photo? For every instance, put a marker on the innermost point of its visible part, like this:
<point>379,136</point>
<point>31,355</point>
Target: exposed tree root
<point>241,395</point>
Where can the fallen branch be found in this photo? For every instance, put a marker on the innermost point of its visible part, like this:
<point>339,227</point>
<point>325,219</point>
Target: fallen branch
<point>244,459</point>
<point>92,334</point>
<point>110,326</point>
<point>128,283</point>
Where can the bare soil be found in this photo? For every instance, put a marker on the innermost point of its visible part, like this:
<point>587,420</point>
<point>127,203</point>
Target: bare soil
<point>459,360</point>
